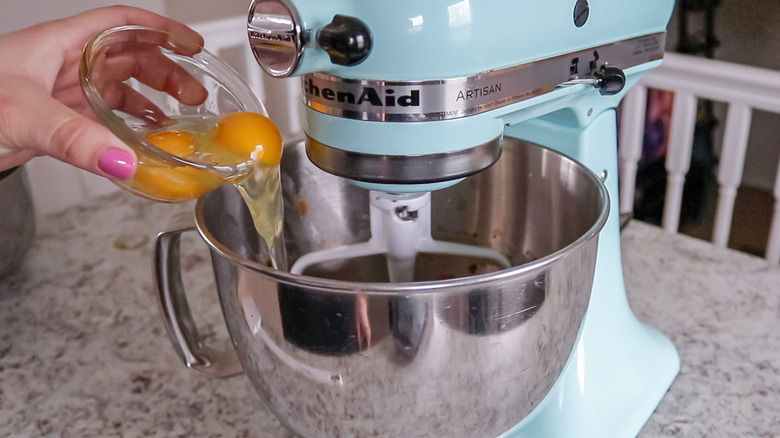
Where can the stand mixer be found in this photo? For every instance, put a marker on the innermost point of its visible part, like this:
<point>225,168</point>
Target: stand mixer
<point>413,97</point>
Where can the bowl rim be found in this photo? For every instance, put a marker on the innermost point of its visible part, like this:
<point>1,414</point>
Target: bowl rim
<point>591,236</point>
<point>106,115</point>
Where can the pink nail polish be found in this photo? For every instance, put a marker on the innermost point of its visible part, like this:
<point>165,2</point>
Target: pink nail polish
<point>117,163</point>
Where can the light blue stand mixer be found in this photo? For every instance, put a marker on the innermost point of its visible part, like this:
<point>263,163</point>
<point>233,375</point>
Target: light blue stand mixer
<point>411,96</point>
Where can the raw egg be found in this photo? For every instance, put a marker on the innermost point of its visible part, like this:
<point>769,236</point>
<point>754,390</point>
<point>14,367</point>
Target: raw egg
<point>179,143</point>
<point>174,183</point>
<point>232,139</point>
<point>250,135</point>
<point>165,182</point>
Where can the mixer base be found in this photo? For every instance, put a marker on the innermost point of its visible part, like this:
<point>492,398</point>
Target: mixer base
<point>620,367</point>
<point>619,372</point>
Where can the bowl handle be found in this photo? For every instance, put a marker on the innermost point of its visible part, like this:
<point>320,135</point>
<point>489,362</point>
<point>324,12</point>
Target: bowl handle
<point>176,311</point>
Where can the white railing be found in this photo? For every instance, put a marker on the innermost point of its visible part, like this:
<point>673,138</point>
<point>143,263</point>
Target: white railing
<point>743,89</point>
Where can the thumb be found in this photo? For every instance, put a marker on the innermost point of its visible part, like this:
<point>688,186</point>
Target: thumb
<point>41,123</point>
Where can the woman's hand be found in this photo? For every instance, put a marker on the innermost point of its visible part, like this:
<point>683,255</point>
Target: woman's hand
<point>42,108</point>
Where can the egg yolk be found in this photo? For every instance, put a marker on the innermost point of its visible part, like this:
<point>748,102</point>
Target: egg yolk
<point>250,135</point>
<point>179,143</point>
<point>167,183</point>
<point>174,184</point>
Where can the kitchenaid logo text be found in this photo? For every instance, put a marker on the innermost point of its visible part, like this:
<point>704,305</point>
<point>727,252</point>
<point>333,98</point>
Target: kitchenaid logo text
<point>476,93</point>
<point>273,37</point>
<point>366,95</point>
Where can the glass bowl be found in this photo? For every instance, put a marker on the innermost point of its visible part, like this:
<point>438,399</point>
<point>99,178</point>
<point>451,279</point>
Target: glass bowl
<point>139,81</point>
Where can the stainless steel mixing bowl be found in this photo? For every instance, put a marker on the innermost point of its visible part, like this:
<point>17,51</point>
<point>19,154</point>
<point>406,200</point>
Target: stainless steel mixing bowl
<point>467,350</point>
<point>17,219</point>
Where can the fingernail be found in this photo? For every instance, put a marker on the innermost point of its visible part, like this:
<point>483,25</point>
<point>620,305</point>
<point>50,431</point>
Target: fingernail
<point>117,163</point>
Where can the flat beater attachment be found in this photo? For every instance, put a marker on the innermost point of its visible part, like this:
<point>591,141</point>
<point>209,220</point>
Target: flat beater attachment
<point>400,229</point>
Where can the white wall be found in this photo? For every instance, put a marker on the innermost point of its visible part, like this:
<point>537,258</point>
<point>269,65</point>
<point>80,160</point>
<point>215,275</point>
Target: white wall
<point>18,14</point>
<point>197,11</point>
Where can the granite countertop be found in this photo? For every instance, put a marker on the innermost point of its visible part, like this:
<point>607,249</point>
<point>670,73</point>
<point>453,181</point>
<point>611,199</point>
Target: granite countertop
<point>83,350</point>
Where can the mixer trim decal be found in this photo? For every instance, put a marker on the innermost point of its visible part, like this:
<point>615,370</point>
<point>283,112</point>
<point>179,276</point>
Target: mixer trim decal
<point>418,101</point>
<point>478,92</point>
<point>403,169</point>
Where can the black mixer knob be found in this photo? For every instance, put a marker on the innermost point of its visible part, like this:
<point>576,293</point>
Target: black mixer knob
<point>608,79</point>
<point>611,80</point>
<point>278,38</point>
<point>346,39</point>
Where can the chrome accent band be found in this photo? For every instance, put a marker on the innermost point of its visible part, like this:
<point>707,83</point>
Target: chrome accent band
<point>418,101</point>
<point>403,169</point>
<point>276,37</point>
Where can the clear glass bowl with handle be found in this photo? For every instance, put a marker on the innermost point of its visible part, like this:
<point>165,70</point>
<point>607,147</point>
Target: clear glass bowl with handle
<point>141,83</point>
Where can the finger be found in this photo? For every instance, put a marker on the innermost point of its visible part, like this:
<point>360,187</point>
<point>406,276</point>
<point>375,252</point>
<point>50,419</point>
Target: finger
<point>150,67</point>
<point>14,157</point>
<point>34,121</point>
<point>59,43</point>
<point>85,144</point>
<point>119,96</point>
<point>69,74</point>
<point>73,98</point>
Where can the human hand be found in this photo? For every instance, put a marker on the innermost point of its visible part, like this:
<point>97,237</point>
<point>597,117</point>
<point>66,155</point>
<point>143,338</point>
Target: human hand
<point>42,108</point>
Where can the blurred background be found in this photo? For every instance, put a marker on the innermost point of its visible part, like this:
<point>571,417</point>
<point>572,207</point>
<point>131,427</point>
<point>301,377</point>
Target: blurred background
<point>741,31</point>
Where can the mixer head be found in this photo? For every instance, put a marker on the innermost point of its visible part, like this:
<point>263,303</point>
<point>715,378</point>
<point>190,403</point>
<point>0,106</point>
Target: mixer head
<point>415,96</point>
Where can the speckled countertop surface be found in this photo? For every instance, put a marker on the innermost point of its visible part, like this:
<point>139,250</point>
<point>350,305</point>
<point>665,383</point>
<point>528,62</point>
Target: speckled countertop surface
<point>83,351</point>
